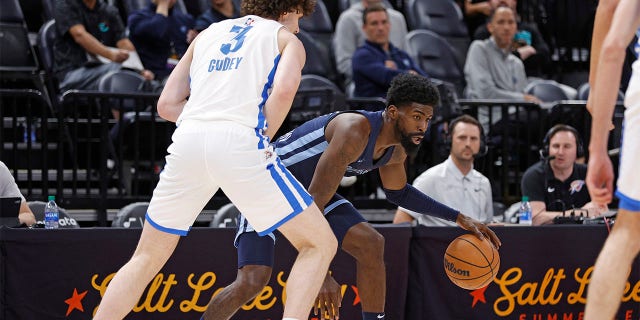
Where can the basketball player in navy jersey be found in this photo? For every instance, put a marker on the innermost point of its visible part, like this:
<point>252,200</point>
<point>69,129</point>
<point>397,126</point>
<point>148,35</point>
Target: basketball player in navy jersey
<point>619,21</point>
<point>319,153</point>
<point>240,77</point>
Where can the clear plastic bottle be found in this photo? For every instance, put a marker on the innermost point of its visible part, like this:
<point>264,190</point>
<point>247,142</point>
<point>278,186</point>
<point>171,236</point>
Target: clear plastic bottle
<point>524,212</point>
<point>51,214</point>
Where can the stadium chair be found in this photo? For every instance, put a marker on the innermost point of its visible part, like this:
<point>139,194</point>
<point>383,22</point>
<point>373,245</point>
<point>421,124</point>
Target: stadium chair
<point>313,81</point>
<point>363,103</point>
<point>11,12</point>
<point>64,220</point>
<point>345,4</point>
<point>319,27</point>
<point>45,40</point>
<point>131,215</point>
<point>442,17</point>
<point>319,60</point>
<point>583,92</point>
<point>136,121</point>
<point>546,90</point>
<point>48,8</point>
<point>225,217</point>
<point>19,62</point>
<point>125,81</point>
<point>436,57</point>
<point>319,21</point>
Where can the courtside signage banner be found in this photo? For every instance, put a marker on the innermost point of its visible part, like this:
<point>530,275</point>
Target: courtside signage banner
<point>63,273</point>
<point>544,275</point>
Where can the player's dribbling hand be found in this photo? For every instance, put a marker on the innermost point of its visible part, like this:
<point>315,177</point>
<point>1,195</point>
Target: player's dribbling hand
<point>329,300</point>
<point>479,229</point>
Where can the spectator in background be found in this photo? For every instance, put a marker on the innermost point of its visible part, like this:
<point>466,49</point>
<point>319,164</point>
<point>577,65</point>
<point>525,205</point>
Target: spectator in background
<point>87,29</point>
<point>378,61</point>
<point>557,183</point>
<point>475,13</point>
<point>349,34</point>
<point>220,10</point>
<point>491,70</point>
<point>528,45</point>
<point>159,32</point>
<point>454,182</point>
<point>9,188</point>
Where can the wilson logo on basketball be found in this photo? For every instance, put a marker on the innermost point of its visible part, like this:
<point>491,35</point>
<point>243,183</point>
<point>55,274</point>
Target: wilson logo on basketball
<point>470,262</point>
<point>451,267</point>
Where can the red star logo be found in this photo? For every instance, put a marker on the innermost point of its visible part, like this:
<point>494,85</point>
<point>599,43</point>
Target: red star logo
<point>356,300</point>
<point>478,295</point>
<point>75,302</point>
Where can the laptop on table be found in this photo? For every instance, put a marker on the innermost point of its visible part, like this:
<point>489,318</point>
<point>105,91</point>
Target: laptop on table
<point>9,210</point>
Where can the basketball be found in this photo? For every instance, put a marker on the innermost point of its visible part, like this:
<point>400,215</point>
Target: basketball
<point>471,263</point>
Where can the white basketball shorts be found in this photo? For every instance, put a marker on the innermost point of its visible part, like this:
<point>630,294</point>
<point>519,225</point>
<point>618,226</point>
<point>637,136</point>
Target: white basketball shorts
<point>205,156</point>
<point>628,185</point>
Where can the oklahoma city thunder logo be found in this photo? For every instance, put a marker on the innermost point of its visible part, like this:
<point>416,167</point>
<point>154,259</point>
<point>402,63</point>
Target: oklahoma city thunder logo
<point>576,186</point>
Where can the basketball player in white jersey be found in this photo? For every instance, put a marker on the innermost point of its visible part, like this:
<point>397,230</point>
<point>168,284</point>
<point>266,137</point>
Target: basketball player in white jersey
<point>620,21</point>
<point>240,77</point>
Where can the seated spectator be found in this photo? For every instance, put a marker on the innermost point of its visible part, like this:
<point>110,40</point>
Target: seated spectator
<point>87,29</point>
<point>9,188</point>
<point>220,10</point>
<point>160,33</point>
<point>475,13</point>
<point>349,35</point>
<point>528,45</point>
<point>556,182</point>
<point>491,70</point>
<point>378,61</point>
<point>454,182</point>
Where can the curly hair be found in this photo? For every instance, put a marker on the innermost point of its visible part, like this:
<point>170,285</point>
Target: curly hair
<point>407,88</point>
<point>273,9</point>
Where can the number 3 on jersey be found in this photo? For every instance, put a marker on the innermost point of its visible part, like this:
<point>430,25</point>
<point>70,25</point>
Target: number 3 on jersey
<point>237,41</point>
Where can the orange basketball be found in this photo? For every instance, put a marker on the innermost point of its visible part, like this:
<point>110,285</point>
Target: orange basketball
<point>471,263</point>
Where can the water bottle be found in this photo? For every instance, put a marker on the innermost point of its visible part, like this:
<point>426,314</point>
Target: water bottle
<point>51,215</point>
<point>524,212</point>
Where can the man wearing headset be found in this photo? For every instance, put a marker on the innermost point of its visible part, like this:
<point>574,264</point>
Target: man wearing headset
<point>454,182</point>
<point>556,184</point>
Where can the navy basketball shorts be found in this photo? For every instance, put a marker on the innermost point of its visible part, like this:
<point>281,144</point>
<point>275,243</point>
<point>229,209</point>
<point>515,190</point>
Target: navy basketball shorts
<point>256,250</point>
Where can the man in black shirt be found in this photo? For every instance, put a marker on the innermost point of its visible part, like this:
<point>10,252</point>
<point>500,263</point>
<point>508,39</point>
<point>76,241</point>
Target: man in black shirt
<point>87,29</point>
<point>557,183</point>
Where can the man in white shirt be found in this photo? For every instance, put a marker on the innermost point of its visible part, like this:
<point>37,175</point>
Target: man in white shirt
<point>454,182</point>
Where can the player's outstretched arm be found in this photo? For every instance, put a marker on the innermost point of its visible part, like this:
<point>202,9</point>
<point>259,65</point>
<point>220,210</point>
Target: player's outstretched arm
<point>405,195</point>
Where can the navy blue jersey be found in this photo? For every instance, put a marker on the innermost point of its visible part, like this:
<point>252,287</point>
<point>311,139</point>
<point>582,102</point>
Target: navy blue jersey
<point>301,148</point>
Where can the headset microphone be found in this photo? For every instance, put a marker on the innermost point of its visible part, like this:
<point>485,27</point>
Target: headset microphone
<point>545,157</point>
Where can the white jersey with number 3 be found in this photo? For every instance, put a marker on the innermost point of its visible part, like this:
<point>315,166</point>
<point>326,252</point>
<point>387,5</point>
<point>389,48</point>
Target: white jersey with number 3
<point>230,77</point>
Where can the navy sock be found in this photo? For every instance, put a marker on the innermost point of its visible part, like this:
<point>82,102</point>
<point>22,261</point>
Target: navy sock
<point>372,316</point>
